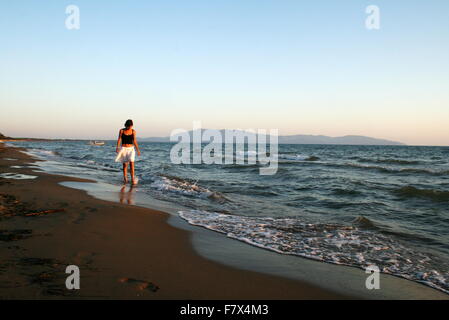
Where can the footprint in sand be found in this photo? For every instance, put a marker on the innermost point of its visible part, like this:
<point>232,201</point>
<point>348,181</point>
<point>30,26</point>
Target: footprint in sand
<point>140,284</point>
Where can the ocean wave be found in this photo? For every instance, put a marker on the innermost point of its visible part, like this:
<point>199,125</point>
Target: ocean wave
<point>87,157</point>
<point>334,243</point>
<point>382,169</point>
<point>388,161</point>
<point>251,153</point>
<point>185,187</point>
<point>90,164</point>
<point>425,171</point>
<point>387,169</point>
<point>345,192</point>
<point>42,152</point>
<point>297,157</point>
<point>413,192</point>
<point>238,166</point>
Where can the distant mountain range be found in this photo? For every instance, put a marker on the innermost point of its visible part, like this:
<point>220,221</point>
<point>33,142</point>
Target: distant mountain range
<point>304,139</point>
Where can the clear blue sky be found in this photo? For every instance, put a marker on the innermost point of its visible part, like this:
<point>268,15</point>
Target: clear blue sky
<point>302,67</point>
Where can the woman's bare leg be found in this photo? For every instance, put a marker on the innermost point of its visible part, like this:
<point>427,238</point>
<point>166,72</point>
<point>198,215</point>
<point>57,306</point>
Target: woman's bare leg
<point>131,165</point>
<point>125,172</point>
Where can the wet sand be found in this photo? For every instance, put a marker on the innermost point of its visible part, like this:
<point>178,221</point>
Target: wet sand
<point>123,252</point>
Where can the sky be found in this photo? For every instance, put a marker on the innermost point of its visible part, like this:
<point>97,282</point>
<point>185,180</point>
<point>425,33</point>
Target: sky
<point>302,67</point>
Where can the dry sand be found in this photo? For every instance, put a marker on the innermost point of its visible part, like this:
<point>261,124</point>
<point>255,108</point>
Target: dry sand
<point>123,252</point>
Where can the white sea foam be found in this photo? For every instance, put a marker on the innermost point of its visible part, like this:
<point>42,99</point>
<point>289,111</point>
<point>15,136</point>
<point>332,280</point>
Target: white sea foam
<point>185,187</point>
<point>16,176</point>
<point>249,153</point>
<point>40,153</point>
<point>293,157</point>
<point>333,243</point>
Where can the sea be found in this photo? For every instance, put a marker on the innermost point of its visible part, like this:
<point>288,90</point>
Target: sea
<point>382,206</point>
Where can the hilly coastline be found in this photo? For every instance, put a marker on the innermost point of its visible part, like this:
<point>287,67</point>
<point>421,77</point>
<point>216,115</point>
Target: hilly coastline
<point>307,139</point>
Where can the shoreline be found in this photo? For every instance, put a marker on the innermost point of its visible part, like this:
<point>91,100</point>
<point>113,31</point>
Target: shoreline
<point>332,281</point>
<point>123,252</point>
<point>214,246</point>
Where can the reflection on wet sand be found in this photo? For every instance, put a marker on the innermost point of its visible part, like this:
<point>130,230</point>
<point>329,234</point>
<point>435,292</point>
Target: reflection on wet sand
<point>127,196</point>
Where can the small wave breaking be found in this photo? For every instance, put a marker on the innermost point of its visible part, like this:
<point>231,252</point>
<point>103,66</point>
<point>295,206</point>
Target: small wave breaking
<point>297,157</point>
<point>185,187</point>
<point>413,192</point>
<point>389,170</point>
<point>389,161</point>
<point>334,243</point>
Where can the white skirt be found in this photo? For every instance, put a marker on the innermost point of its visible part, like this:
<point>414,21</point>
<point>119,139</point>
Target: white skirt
<point>126,154</point>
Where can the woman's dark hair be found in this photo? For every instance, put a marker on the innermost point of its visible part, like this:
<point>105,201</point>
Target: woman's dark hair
<point>128,123</point>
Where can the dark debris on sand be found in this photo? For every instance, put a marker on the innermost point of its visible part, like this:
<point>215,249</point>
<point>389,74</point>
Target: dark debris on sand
<point>10,206</point>
<point>45,273</point>
<point>14,235</point>
<point>48,274</point>
<point>140,284</point>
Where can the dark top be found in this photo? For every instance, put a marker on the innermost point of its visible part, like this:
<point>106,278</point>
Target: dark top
<point>127,138</point>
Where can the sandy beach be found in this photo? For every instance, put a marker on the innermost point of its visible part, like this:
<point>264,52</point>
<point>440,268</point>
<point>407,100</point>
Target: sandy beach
<point>218,151</point>
<point>123,252</point>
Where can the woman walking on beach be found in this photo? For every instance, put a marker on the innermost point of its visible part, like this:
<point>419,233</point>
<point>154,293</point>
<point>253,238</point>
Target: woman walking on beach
<point>126,153</point>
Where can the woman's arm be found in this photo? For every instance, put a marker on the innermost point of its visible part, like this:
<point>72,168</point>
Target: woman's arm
<point>135,143</point>
<point>117,149</point>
